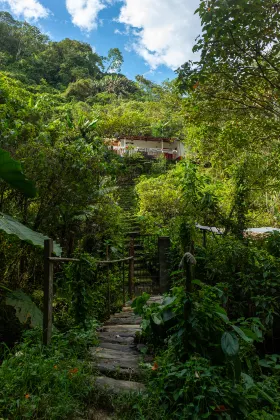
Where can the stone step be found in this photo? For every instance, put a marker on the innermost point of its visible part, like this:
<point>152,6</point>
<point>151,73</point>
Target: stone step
<point>117,356</point>
<point>127,329</point>
<point>128,238</point>
<point>120,357</point>
<point>125,313</point>
<point>142,275</point>
<point>117,386</point>
<point>140,267</point>
<point>138,246</point>
<point>130,226</point>
<point>139,253</point>
<point>143,282</point>
<point>116,338</point>
<point>143,278</point>
<point>155,299</point>
<point>124,321</point>
<point>127,309</point>
<point>125,347</point>
<point>132,222</point>
<point>111,370</point>
<point>116,363</point>
<point>139,290</point>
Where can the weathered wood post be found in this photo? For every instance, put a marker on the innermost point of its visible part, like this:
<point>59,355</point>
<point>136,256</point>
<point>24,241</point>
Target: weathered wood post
<point>204,238</point>
<point>163,251</point>
<point>123,282</point>
<point>187,264</point>
<point>48,292</point>
<point>108,281</point>
<point>108,289</point>
<point>131,269</point>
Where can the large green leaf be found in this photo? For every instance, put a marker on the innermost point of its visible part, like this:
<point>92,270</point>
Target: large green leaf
<point>243,334</point>
<point>26,310</point>
<point>11,172</point>
<point>157,319</point>
<point>13,227</point>
<point>230,344</point>
<point>139,303</point>
<point>168,315</point>
<point>168,300</point>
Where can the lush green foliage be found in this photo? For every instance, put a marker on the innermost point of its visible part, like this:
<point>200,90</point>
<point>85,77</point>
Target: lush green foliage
<point>207,365</point>
<point>51,383</point>
<point>215,343</point>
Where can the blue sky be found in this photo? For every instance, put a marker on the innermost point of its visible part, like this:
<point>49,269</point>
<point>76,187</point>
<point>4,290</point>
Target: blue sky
<point>155,36</point>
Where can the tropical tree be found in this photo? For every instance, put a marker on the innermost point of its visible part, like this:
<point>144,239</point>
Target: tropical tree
<point>232,109</point>
<point>114,60</point>
<point>239,55</point>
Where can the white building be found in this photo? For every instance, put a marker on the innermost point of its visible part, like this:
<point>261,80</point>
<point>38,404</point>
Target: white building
<point>171,148</point>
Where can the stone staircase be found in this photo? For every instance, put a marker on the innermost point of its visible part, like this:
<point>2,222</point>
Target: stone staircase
<point>118,355</point>
<point>132,227</point>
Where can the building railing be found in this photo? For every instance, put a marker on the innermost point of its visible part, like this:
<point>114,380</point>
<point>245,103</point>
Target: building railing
<point>155,152</point>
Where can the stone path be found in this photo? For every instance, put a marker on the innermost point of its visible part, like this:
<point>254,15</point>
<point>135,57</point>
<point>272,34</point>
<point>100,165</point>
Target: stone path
<point>118,356</point>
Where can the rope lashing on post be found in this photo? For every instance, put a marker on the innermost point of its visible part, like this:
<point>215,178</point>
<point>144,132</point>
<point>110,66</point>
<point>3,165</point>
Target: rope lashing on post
<point>187,258</point>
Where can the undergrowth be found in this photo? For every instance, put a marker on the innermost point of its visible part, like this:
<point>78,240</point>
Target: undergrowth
<point>206,365</point>
<point>47,382</point>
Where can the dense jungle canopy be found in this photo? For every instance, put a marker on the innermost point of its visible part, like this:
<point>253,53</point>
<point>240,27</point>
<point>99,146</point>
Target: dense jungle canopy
<point>215,340</point>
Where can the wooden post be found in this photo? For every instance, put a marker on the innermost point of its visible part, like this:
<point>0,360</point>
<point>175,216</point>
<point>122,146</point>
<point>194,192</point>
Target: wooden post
<point>189,276</point>
<point>204,238</point>
<point>189,272</point>
<point>109,290</point>
<point>123,281</point>
<point>108,282</point>
<point>48,292</point>
<point>131,269</point>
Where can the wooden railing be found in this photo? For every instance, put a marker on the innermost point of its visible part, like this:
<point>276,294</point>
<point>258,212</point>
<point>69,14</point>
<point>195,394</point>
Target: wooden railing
<point>50,260</point>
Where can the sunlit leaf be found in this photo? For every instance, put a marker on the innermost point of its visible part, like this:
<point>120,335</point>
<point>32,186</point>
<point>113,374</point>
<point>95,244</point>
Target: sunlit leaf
<point>22,232</point>
<point>157,319</point>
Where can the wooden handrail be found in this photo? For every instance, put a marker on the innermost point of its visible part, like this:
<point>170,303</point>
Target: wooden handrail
<point>57,259</point>
<point>115,261</point>
<point>49,261</point>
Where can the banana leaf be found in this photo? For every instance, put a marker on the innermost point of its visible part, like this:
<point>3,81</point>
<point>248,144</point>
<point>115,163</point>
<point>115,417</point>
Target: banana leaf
<point>13,227</point>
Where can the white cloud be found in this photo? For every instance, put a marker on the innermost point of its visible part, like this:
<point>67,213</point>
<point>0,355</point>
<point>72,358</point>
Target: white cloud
<point>166,29</point>
<point>29,9</point>
<point>126,31</point>
<point>84,13</point>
